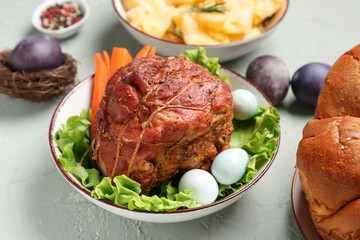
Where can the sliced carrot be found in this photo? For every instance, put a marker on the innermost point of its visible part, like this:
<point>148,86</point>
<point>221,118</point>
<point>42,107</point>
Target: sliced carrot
<point>152,52</point>
<point>143,52</point>
<point>119,58</point>
<point>100,80</point>
<point>107,62</point>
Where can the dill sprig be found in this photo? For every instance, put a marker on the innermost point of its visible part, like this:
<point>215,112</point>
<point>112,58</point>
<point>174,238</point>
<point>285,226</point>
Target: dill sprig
<point>214,8</point>
<point>176,31</point>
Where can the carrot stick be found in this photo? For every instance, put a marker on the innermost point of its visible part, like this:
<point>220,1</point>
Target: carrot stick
<point>119,58</point>
<point>152,52</point>
<point>107,62</point>
<point>100,80</point>
<point>143,52</point>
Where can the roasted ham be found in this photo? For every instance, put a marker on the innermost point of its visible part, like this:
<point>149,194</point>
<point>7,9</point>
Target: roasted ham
<point>160,117</point>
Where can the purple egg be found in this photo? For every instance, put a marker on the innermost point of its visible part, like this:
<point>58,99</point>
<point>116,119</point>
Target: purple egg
<point>36,52</point>
<point>307,82</point>
<point>271,75</point>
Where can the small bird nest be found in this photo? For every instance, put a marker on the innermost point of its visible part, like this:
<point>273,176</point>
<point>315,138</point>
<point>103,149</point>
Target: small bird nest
<point>36,86</point>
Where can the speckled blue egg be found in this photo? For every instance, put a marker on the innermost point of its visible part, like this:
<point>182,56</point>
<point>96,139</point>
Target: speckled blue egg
<point>229,166</point>
<point>245,104</point>
<point>202,183</point>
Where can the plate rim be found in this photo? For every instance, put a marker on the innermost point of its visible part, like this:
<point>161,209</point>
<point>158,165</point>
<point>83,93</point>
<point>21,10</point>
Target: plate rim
<point>299,224</point>
<point>293,203</point>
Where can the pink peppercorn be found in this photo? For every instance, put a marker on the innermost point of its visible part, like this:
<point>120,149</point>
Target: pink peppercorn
<point>70,10</point>
<point>77,20</point>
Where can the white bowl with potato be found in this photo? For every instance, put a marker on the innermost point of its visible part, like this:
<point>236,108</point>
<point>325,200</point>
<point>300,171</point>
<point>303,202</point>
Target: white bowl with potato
<point>216,26</point>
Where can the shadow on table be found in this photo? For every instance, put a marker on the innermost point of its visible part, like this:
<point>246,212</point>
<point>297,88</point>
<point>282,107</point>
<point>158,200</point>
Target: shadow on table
<point>233,222</point>
<point>18,108</point>
<point>56,211</point>
<point>299,109</point>
<point>292,231</point>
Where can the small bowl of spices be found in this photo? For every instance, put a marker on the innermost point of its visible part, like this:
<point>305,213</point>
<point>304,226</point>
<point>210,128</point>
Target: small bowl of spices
<point>60,18</point>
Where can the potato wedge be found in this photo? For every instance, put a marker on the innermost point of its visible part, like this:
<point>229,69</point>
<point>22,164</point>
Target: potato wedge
<point>193,33</point>
<point>129,4</point>
<point>152,17</point>
<point>264,9</point>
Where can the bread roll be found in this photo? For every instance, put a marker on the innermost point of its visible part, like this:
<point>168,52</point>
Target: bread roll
<point>340,94</point>
<point>328,159</point>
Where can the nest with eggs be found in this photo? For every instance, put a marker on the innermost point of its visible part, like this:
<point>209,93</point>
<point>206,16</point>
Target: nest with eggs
<point>36,86</point>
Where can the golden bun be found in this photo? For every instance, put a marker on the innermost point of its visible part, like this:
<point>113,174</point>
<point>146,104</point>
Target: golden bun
<point>328,159</point>
<point>328,156</point>
<point>340,94</point>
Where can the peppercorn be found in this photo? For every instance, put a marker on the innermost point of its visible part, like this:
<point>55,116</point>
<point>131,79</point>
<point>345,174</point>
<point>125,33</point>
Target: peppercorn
<point>61,15</point>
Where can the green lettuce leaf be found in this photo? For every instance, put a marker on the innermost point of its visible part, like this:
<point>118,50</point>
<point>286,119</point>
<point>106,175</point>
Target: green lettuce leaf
<point>258,136</point>
<point>126,192</point>
<point>198,56</point>
<point>73,140</point>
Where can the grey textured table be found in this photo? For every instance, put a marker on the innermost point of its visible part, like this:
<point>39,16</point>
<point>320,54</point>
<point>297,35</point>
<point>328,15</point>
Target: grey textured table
<point>37,203</point>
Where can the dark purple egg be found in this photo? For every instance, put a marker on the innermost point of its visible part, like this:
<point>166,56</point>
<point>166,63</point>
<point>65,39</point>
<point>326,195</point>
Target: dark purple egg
<point>307,82</point>
<point>36,52</point>
<point>271,75</point>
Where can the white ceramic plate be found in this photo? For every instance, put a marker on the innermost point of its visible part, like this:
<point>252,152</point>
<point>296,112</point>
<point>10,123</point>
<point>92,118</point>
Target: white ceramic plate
<point>80,97</point>
<point>301,210</point>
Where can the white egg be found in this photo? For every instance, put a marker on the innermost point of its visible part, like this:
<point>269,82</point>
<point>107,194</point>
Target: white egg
<point>202,183</point>
<point>245,104</point>
<point>229,166</point>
